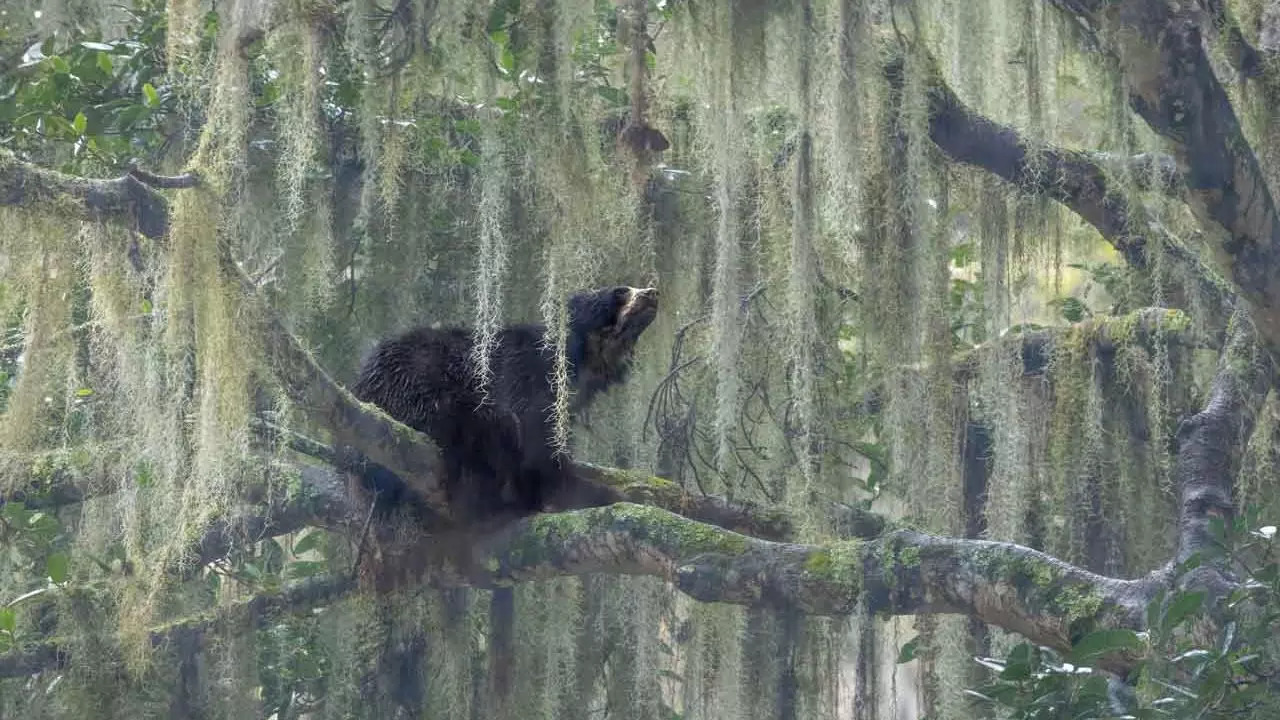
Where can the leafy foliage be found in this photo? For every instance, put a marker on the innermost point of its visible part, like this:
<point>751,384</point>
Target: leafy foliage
<point>108,99</point>
<point>1185,673</point>
<point>31,545</point>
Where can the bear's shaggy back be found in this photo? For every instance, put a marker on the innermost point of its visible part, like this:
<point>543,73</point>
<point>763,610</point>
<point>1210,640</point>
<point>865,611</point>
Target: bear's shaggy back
<point>496,444</point>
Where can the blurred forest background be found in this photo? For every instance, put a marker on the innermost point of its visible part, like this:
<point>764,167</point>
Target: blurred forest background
<point>926,258</point>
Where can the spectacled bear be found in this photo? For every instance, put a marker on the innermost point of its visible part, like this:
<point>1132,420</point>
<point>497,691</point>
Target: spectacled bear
<point>496,445</point>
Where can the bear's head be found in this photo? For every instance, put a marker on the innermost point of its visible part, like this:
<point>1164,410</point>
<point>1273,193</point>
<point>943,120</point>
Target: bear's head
<point>604,325</point>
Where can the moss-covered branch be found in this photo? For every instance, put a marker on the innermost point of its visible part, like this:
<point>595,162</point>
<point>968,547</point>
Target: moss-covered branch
<point>770,523</point>
<point>635,486</point>
<point>408,454</point>
<point>130,199</point>
<point>1171,83</point>
<point>902,573</point>
<point>1105,333</point>
<point>1144,327</point>
<point>1070,177</point>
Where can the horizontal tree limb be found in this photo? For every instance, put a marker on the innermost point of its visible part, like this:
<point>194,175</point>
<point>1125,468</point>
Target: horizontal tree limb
<point>1145,327</point>
<point>129,199</point>
<point>901,573</point>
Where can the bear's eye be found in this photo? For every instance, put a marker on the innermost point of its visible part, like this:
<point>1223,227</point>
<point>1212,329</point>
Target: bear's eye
<point>620,294</point>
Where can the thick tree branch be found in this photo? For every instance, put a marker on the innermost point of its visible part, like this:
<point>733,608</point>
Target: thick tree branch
<point>1246,59</point>
<point>1172,86</point>
<point>902,573</point>
<point>1211,442</point>
<point>1072,178</point>
<point>409,454</point>
<point>1145,327</point>
<point>742,516</point>
<point>129,200</point>
<point>1077,180</point>
<point>633,486</point>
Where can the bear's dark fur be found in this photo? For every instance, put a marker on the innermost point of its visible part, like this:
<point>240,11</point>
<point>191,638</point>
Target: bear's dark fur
<point>497,450</point>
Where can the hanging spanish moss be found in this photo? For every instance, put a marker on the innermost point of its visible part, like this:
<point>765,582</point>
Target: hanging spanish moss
<point>38,251</point>
<point>803,275</point>
<point>725,312</point>
<point>491,261</point>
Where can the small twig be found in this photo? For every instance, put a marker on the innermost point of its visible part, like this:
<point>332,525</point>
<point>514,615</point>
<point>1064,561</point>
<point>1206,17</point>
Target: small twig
<point>368,519</point>
<point>261,276</point>
<point>167,182</point>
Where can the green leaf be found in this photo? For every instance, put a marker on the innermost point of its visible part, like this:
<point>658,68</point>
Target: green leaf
<point>306,568</point>
<point>149,93</point>
<point>963,254</point>
<point>310,541</point>
<point>908,652</point>
<point>878,457</point>
<point>56,567</point>
<point>1018,664</point>
<point>80,123</point>
<point>84,392</point>
<point>8,620</point>
<point>1183,606</point>
<point>613,95</point>
<point>1073,310</point>
<point>1103,642</point>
